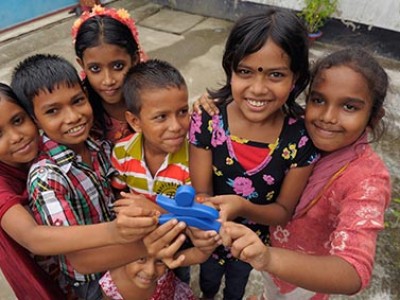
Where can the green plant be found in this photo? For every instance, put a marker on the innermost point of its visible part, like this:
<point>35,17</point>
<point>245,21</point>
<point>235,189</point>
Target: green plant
<point>316,12</point>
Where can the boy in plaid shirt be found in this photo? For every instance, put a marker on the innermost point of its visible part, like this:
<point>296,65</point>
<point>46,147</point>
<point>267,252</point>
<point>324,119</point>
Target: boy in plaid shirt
<point>68,183</point>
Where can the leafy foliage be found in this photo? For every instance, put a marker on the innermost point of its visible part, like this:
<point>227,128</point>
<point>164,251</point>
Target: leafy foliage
<point>315,13</point>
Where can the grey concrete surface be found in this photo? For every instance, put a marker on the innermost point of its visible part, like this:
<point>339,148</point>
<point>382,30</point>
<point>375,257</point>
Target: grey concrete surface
<point>193,43</point>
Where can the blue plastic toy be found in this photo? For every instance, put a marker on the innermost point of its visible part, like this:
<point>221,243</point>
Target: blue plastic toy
<point>185,209</point>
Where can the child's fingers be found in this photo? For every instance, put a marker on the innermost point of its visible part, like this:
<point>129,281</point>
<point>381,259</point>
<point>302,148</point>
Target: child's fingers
<point>134,211</point>
<point>129,198</point>
<point>235,230</point>
<point>169,250</point>
<point>175,263</point>
<point>225,236</point>
<point>198,234</point>
<point>207,103</point>
<point>163,236</point>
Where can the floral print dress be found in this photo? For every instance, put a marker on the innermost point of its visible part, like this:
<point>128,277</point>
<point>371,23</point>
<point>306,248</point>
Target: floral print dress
<point>260,184</point>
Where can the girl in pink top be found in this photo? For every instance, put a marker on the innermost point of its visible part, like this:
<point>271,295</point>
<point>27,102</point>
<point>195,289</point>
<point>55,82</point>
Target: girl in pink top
<point>146,278</point>
<point>329,246</point>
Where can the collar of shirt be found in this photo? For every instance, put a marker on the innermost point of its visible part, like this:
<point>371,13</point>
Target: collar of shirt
<point>62,155</point>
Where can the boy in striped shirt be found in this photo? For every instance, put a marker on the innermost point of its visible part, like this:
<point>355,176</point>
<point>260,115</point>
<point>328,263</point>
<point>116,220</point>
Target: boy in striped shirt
<point>154,160</point>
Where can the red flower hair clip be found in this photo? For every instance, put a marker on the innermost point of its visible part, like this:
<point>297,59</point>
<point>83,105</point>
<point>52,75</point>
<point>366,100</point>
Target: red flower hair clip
<point>121,15</point>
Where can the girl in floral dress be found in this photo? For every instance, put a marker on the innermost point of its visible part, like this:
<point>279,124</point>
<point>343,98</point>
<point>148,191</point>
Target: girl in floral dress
<point>329,246</point>
<point>255,153</point>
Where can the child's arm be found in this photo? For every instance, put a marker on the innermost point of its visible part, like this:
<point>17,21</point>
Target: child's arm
<point>324,274</point>
<point>55,240</point>
<point>200,166</point>
<point>104,258</point>
<point>277,213</point>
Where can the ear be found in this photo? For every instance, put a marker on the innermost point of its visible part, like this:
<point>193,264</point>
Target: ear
<point>133,121</point>
<point>377,118</point>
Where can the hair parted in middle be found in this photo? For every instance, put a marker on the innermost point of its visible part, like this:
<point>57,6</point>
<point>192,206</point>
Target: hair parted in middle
<point>250,33</point>
<point>150,75</point>
<point>41,72</point>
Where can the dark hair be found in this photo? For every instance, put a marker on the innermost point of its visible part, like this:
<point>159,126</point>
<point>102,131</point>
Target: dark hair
<point>6,93</point>
<point>153,74</point>
<point>94,32</point>
<point>250,33</point>
<point>41,72</point>
<point>368,67</point>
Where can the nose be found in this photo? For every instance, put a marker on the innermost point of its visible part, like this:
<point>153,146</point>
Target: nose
<point>259,85</point>
<point>149,268</point>
<point>108,78</point>
<point>71,115</point>
<point>15,136</point>
<point>176,124</point>
<point>329,115</point>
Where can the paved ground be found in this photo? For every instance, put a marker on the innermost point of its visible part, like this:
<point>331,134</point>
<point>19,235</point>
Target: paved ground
<point>192,43</point>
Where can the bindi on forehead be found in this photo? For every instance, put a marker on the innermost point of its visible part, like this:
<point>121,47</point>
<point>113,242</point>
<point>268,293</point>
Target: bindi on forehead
<point>260,69</point>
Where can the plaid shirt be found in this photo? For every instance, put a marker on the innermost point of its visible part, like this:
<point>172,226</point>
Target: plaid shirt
<point>64,191</point>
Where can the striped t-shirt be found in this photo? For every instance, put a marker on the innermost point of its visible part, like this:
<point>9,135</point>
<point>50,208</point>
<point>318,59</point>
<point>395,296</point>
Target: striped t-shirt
<point>128,160</point>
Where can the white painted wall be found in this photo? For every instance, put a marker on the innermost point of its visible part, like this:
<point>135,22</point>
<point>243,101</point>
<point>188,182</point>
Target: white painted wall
<point>374,13</point>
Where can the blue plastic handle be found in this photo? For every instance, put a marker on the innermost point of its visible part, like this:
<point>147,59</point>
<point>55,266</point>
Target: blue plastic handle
<point>195,210</point>
<point>200,223</point>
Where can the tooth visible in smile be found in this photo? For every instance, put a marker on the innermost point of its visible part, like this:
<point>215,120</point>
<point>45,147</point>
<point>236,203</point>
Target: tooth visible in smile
<point>75,129</point>
<point>256,103</point>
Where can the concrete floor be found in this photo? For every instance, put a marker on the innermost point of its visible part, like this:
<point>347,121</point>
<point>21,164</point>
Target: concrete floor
<point>193,43</point>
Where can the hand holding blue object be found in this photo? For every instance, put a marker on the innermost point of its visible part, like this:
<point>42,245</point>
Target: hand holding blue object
<point>185,209</point>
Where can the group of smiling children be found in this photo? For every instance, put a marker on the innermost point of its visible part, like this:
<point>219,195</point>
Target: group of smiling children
<point>111,142</point>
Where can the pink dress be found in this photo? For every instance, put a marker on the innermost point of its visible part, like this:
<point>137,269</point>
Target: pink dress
<point>169,287</point>
<point>344,222</point>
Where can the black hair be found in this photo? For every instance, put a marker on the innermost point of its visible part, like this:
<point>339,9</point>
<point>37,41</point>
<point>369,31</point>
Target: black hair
<point>369,68</point>
<point>93,32</point>
<point>6,93</point>
<point>41,72</point>
<point>152,74</point>
<point>250,33</point>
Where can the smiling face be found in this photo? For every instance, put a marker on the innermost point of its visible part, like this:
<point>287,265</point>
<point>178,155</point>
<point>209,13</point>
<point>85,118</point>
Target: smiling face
<point>262,83</point>
<point>338,108</point>
<point>105,67</point>
<point>145,272</point>
<point>163,119</point>
<point>18,135</point>
<point>65,115</point>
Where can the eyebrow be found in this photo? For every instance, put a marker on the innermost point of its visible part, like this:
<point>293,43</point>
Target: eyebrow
<point>277,68</point>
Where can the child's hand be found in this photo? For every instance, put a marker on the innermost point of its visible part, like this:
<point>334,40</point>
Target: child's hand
<point>230,206</point>
<point>245,245</point>
<point>133,223</point>
<point>135,200</point>
<point>207,103</point>
<point>165,241</point>
<point>173,263</point>
<point>205,241</point>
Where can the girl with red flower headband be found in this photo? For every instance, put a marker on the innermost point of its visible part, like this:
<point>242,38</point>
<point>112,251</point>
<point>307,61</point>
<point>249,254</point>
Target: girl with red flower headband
<point>107,46</point>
